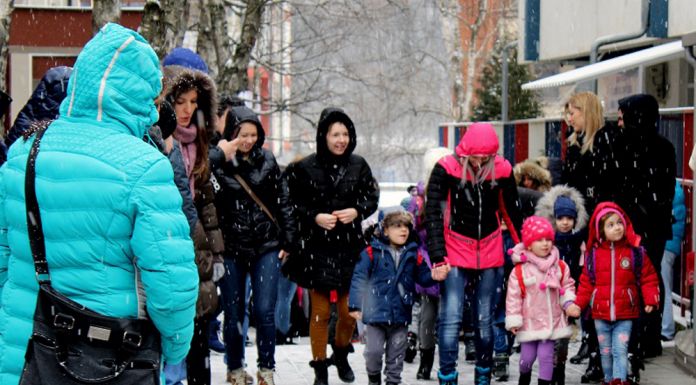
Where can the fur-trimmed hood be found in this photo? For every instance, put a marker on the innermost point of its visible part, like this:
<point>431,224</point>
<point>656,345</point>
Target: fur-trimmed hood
<point>545,205</point>
<point>184,80</point>
<point>535,172</point>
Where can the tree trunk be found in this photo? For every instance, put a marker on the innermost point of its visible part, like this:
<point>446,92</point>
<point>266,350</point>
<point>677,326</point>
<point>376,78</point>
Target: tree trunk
<point>105,11</point>
<point>6,8</point>
<point>450,23</point>
<point>164,24</point>
<point>232,73</point>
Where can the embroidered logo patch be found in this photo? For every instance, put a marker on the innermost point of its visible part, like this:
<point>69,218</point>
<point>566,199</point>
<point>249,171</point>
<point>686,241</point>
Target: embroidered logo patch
<point>625,263</point>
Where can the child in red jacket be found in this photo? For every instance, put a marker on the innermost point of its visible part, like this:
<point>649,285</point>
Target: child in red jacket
<point>617,278</point>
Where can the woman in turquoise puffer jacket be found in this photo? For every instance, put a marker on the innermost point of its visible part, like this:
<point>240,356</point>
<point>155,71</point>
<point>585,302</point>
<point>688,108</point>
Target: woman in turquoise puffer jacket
<point>116,238</point>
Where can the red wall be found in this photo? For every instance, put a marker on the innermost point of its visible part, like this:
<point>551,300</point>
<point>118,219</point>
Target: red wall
<point>58,27</point>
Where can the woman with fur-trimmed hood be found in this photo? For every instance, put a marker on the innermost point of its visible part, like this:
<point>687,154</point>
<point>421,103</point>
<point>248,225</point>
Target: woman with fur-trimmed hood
<point>193,96</point>
<point>530,174</point>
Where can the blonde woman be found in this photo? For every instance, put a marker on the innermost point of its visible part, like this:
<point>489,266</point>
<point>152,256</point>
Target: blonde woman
<point>592,166</point>
<point>592,160</point>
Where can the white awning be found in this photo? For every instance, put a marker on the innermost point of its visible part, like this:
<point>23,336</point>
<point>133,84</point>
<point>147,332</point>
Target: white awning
<point>648,56</point>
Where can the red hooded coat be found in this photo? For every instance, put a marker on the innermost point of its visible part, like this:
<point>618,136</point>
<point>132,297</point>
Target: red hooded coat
<point>614,294</point>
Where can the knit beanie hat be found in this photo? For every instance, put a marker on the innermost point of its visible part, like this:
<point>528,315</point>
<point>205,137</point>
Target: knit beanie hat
<point>186,58</point>
<point>564,207</point>
<point>535,228</point>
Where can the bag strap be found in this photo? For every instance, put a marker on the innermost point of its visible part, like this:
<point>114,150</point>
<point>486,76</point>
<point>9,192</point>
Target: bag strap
<point>255,197</point>
<point>520,280</point>
<point>36,235</point>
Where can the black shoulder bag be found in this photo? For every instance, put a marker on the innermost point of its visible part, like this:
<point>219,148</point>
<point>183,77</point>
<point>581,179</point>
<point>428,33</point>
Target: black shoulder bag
<point>72,344</point>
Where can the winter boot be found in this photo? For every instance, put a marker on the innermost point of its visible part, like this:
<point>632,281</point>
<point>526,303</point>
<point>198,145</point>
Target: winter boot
<point>265,377</point>
<point>411,351</point>
<point>321,371</point>
<point>525,378</point>
<point>374,379</point>
<point>583,352</point>
<point>558,375</point>
<point>501,363</point>
<point>469,350</point>
<point>339,358</point>
<point>237,377</point>
<point>482,376</point>
<point>635,366</point>
<point>448,379</point>
<point>544,382</point>
<point>594,371</point>
<point>214,339</point>
<point>426,364</point>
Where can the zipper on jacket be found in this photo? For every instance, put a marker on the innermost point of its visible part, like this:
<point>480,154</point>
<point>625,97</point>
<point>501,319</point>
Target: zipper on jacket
<point>612,308</point>
<point>630,296</point>
<point>478,241</point>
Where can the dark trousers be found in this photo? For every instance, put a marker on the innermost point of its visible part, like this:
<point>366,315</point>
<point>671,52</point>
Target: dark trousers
<point>198,359</point>
<point>650,324</point>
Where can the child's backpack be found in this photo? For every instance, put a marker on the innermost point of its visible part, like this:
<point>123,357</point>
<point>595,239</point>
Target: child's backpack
<point>520,277</point>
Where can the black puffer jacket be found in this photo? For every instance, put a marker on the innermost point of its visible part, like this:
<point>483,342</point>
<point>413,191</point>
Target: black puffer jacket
<point>650,169</point>
<point>597,174</point>
<point>248,231</point>
<point>323,183</point>
<point>43,103</point>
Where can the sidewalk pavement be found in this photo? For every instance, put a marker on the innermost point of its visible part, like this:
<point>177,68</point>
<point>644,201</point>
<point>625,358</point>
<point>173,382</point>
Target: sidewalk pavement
<point>292,368</point>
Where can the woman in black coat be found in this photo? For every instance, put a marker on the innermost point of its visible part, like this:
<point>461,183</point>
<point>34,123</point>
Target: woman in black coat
<point>254,239</point>
<point>333,191</point>
<point>594,166</point>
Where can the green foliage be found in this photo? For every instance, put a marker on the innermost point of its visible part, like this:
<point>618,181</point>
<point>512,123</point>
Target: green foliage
<point>522,104</point>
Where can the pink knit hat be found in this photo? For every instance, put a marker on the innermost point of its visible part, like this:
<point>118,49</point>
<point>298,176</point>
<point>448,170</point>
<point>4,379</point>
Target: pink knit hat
<point>535,228</point>
<point>602,213</point>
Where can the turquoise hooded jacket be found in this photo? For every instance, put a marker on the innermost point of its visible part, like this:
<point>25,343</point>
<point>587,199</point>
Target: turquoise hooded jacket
<point>116,238</point>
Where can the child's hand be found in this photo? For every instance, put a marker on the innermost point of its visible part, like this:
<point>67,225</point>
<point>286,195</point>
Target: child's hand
<point>439,273</point>
<point>573,311</point>
<point>514,330</point>
<point>649,308</point>
<point>356,314</point>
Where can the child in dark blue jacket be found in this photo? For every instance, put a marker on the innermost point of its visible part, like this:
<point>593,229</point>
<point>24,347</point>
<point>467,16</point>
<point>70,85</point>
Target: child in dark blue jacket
<point>382,292</point>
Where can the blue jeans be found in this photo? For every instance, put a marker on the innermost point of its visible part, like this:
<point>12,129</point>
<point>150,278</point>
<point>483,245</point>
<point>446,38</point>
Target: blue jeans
<point>264,273</point>
<point>175,373</point>
<point>667,312</point>
<point>613,340</point>
<point>486,295</point>
<point>286,290</point>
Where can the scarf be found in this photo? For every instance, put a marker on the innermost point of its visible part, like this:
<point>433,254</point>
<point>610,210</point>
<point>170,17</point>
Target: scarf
<point>545,265</point>
<point>186,137</point>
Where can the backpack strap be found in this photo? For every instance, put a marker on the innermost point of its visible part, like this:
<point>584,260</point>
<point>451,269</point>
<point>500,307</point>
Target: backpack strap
<point>520,279</point>
<point>563,266</point>
<point>370,253</point>
<point>590,263</point>
<point>638,253</point>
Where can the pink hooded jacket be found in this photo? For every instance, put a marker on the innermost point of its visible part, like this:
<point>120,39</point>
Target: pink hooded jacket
<point>539,315</point>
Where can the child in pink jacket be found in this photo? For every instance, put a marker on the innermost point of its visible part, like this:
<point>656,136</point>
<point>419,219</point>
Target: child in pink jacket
<point>539,289</point>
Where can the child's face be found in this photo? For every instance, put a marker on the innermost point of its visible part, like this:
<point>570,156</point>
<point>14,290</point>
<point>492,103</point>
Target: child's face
<point>541,248</point>
<point>614,228</point>
<point>565,224</point>
<point>397,234</point>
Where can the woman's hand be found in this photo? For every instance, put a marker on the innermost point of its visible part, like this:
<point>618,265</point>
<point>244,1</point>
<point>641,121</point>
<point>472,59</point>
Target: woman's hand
<point>229,148</point>
<point>326,221</point>
<point>356,314</point>
<point>649,308</point>
<point>283,255</point>
<point>346,216</point>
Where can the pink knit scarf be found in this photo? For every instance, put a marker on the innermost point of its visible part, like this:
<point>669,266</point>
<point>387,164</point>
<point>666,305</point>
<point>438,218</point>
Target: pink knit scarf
<point>551,279</point>
<point>186,137</point>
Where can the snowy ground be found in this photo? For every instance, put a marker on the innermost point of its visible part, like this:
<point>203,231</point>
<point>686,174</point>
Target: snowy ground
<point>292,368</point>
